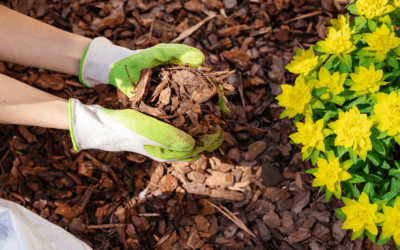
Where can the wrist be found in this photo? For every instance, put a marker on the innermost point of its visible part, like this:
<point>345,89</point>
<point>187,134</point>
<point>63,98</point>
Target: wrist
<point>96,62</point>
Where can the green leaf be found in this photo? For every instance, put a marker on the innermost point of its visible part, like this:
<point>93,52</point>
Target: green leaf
<point>314,156</point>
<point>339,100</point>
<point>371,25</point>
<point>351,190</point>
<point>320,49</point>
<point>383,187</point>
<point>364,53</point>
<point>341,151</point>
<point>320,91</point>
<point>373,178</point>
<point>352,9</point>
<point>222,101</point>
<point>332,62</point>
<point>312,170</point>
<point>356,179</point>
<point>385,165</point>
<point>385,19</point>
<point>330,141</point>
<point>365,108</point>
<point>18,152</point>
<point>284,114</point>
<point>393,62</point>
<point>394,172</point>
<point>328,195</point>
<point>347,94</point>
<point>346,64</point>
<point>383,241</point>
<point>387,140</point>
<point>327,116</point>
<point>317,104</point>
<point>353,155</point>
<point>357,234</point>
<point>373,157</point>
<point>360,24</point>
<point>371,237</point>
<point>381,203</point>
<point>356,38</point>
<point>298,118</point>
<point>366,62</point>
<point>378,146</point>
<point>381,135</point>
<point>369,189</point>
<point>365,168</point>
<point>339,211</point>
<point>358,101</point>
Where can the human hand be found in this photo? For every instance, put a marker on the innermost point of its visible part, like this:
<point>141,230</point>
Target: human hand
<point>92,126</point>
<point>104,62</point>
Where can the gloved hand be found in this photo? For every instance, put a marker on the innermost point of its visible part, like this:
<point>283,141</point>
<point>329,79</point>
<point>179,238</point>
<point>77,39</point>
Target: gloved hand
<point>92,126</point>
<point>104,62</point>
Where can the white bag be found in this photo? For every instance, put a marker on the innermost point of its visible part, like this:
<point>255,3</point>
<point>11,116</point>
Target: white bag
<point>22,229</point>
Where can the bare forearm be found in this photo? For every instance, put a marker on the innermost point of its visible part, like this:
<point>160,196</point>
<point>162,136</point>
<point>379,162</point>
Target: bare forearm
<point>24,105</point>
<point>29,42</point>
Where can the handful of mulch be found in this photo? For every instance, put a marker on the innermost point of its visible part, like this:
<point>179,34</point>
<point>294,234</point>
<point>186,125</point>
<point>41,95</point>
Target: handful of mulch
<point>190,99</point>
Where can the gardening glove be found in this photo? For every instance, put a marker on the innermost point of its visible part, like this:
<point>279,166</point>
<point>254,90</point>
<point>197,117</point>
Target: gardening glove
<point>104,62</point>
<point>92,126</point>
<point>22,229</point>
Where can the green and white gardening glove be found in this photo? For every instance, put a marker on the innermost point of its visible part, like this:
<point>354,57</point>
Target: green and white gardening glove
<point>95,127</point>
<point>104,62</point>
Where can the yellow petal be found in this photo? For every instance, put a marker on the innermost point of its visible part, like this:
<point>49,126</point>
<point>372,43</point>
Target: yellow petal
<point>371,227</point>
<point>379,218</point>
<point>348,224</point>
<point>320,146</point>
<point>343,176</point>
<point>386,234</point>
<point>396,237</point>
<point>363,199</point>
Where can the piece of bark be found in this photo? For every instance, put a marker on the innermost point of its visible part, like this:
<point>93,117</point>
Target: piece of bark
<point>151,111</point>
<point>142,89</point>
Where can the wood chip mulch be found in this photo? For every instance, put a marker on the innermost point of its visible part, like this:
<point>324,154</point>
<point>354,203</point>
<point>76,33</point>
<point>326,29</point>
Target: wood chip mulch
<point>252,193</point>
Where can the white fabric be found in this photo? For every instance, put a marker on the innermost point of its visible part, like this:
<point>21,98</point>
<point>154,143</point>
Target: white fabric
<point>101,55</point>
<point>22,229</point>
<point>93,129</point>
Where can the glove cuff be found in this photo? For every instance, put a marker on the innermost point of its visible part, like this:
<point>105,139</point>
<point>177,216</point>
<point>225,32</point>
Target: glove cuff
<point>90,128</point>
<point>96,62</point>
<point>71,128</point>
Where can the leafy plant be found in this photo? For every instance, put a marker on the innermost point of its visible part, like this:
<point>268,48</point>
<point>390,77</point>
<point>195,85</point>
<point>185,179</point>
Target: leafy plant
<point>348,96</point>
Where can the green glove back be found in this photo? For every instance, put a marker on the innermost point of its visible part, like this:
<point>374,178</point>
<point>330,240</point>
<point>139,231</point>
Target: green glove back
<point>160,54</point>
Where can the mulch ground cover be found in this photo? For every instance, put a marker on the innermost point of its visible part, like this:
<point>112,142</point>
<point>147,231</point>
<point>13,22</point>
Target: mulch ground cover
<point>251,193</point>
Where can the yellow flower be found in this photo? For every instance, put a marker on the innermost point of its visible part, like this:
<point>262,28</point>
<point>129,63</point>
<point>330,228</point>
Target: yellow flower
<point>373,8</point>
<point>334,82</point>
<point>367,80</point>
<point>396,3</point>
<point>391,227</point>
<point>311,135</point>
<point>303,62</point>
<point>337,41</point>
<point>331,173</point>
<point>340,23</point>
<point>295,98</point>
<point>361,215</point>
<point>353,130</point>
<point>387,114</point>
<point>381,41</point>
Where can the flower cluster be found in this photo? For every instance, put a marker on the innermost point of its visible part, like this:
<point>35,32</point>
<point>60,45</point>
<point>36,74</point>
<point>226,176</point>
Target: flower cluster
<point>345,103</point>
